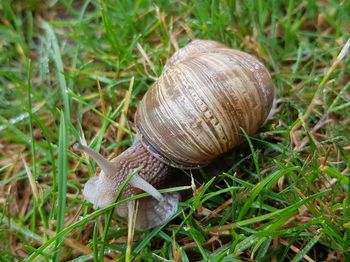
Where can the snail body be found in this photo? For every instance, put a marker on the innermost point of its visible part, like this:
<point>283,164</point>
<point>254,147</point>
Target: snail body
<point>192,114</point>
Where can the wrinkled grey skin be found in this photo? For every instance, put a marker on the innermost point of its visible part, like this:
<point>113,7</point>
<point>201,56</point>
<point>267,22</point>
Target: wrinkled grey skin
<point>101,190</point>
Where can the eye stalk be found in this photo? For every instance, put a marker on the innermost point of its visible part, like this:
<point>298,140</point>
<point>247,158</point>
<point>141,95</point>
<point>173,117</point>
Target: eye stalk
<point>107,166</point>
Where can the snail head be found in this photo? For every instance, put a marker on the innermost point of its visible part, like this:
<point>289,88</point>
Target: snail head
<point>101,192</point>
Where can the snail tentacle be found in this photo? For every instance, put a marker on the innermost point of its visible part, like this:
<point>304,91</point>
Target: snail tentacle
<point>107,166</point>
<point>139,182</point>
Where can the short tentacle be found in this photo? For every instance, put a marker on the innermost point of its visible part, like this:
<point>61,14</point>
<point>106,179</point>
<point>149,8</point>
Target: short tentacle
<point>139,182</point>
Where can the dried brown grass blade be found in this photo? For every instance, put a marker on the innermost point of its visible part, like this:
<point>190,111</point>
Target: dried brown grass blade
<point>220,208</point>
<point>31,180</point>
<point>145,56</point>
<point>122,119</point>
<point>177,252</point>
<point>132,214</point>
<point>103,104</point>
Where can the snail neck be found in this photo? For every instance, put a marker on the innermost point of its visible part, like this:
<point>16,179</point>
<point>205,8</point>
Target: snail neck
<point>153,170</point>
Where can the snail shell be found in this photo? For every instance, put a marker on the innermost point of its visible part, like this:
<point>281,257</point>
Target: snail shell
<point>196,109</point>
<point>192,114</point>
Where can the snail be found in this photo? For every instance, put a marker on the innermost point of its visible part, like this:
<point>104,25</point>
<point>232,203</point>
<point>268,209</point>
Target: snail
<point>192,114</point>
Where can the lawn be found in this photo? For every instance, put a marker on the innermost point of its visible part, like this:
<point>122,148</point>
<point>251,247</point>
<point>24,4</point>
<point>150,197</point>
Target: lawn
<point>72,70</point>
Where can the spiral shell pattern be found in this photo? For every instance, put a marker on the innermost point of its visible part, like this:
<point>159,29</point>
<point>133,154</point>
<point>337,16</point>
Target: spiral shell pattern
<point>195,110</point>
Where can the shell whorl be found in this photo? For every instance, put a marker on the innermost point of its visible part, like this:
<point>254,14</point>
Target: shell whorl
<point>195,110</point>
<point>194,48</point>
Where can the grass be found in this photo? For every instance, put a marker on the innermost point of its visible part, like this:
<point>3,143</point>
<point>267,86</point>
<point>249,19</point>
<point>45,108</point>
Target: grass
<point>71,69</point>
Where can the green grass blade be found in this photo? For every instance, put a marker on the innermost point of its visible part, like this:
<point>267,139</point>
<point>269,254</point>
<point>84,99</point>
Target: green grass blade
<point>302,253</point>
<point>266,183</point>
<point>57,58</point>
<point>62,178</point>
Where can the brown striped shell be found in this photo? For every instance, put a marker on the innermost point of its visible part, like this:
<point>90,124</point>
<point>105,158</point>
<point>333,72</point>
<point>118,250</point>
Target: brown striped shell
<point>197,107</point>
